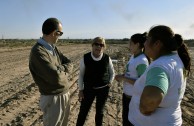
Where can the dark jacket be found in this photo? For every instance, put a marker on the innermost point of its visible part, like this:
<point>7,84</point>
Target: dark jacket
<point>49,72</point>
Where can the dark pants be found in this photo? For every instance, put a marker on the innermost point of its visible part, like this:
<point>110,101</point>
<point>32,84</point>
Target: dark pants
<point>101,96</point>
<point>126,101</point>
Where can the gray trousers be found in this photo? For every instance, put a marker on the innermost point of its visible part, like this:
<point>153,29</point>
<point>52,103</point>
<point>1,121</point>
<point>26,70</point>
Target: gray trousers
<point>55,109</point>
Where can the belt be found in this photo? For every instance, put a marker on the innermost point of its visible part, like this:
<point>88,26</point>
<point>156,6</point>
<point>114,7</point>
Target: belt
<point>100,87</point>
<point>128,96</point>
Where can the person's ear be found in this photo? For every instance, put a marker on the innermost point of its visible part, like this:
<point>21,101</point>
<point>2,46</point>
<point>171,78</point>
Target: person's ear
<point>158,44</point>
<point>53,33</point>
<point>138,44</point>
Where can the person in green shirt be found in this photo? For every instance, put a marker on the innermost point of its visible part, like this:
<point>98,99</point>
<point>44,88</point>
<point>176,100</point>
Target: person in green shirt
<point>158,93</point>
<point>134,69</point>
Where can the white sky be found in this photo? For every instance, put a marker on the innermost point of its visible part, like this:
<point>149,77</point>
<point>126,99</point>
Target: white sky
<point>22,19</point>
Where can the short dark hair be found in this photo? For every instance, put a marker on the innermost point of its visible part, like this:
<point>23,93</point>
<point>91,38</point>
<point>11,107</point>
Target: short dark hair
<point>50,25</point>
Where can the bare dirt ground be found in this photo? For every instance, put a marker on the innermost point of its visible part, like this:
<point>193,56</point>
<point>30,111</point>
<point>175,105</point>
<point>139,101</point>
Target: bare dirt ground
<point>19,96</point>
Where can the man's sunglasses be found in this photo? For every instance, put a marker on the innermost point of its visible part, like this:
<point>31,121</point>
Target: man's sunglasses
<point>97,44</point>
<point>59,33</point>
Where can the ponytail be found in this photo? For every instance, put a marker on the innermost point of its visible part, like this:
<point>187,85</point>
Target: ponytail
<point>183,52</point>
<point>185,57</point>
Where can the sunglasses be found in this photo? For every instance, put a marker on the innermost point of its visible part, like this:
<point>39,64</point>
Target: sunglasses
<point>97,44</point>
<point>59,33</point>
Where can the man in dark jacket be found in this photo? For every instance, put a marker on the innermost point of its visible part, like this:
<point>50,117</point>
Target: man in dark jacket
<point>50,69</point>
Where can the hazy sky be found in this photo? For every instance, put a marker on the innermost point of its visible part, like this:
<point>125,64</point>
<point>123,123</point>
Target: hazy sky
<point>90,18</point>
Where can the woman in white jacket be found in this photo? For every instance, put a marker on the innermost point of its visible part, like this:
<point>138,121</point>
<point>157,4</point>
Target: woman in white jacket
<point>159,91</point>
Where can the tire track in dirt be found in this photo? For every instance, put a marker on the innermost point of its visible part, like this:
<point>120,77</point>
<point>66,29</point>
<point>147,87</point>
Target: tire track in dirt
<point>19,96</point>
<point>19,103</point>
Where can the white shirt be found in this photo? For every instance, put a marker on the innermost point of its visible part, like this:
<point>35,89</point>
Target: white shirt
<point>132,72</point>
<point>169,111</point>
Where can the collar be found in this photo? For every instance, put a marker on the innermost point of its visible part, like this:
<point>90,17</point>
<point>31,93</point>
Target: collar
<point>137,54</point>
<point>46,44</point>
<point>96,59</point>
<point>49,47</point>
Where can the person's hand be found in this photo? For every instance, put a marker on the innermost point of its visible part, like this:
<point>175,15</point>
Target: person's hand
<point>68,67</point>
<point>109,84</point>
<point>119,77</point>
<point>81,95</point>
<point>60,68</point>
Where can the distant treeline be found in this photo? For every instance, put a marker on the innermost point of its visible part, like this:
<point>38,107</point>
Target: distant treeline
<point>30,42</point>
<point>87,41</point>
<point>190,42</point>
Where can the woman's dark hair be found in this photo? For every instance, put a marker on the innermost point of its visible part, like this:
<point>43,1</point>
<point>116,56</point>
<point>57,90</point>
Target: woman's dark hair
<point>139,38</point>
<point>50,25</point>
<point>171,43</point>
